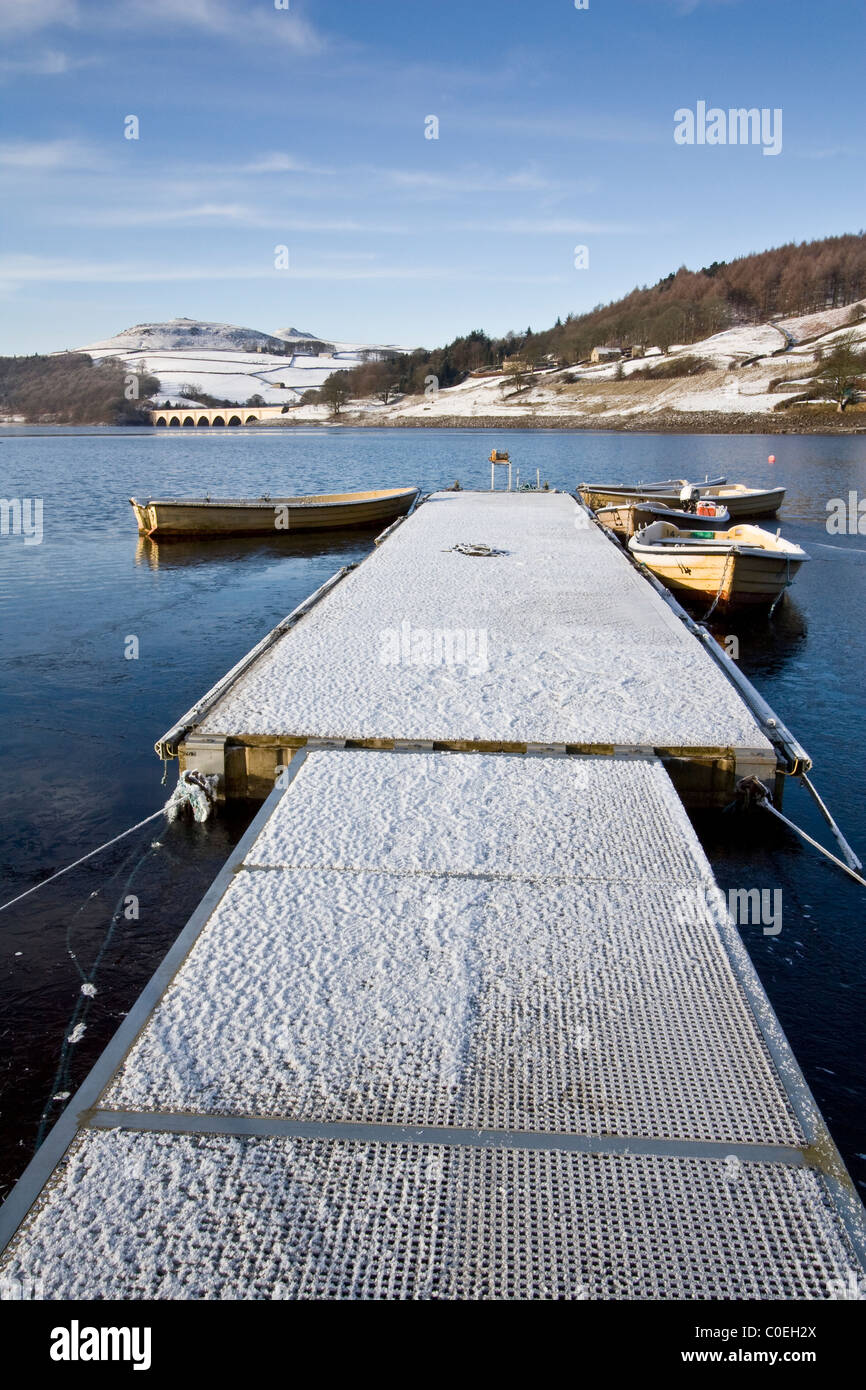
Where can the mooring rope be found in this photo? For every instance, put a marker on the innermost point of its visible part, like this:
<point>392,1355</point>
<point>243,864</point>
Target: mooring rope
<point>751,791</point>
<point>60,872</point>
<point>712,607</point>
<point>195,791</point>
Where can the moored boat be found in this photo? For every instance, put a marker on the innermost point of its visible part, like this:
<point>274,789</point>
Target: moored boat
<point>741,501</point>
<point>744,565</point>
<point>204,517</point>
<point>628,517</point>
<point>597,495</point>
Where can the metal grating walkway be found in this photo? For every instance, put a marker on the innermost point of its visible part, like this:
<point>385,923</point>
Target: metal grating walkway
<point>448,1026</point>
<point>554,639</point>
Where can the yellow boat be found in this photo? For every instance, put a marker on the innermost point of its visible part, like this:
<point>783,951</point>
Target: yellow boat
<point>744,565</point>
<point>162,518</point>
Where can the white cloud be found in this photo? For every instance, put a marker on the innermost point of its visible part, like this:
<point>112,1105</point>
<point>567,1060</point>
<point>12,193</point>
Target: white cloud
<point>468,181</point>
<point>44,155</point>
<point>26,269</point>
<point>50,63</point>
<point>553,226</point>
<point>240,22</point>
<point>278,163</point>
<point>232,214</point>
<point>237,20</point>
<point>27,16</point>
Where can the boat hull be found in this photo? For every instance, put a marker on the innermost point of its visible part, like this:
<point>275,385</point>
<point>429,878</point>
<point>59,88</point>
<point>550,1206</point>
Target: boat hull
<point>740,579</point>
<point>177,517</point>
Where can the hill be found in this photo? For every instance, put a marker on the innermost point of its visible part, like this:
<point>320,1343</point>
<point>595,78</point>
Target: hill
<point>185,335</point>
<point>197,362</point>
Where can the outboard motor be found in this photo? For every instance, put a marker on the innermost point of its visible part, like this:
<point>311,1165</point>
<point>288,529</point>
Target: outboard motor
<point>689,498</point>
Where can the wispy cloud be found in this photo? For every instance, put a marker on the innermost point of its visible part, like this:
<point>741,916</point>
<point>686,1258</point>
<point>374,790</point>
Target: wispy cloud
<point>279,163</point>
<point>229,214</point>
<point>28,16</point>
<point>465,181</point>
<point>50,63</point>
<point>554,226</point>
<point>236,20</point>
<point>231,19</point>
<point>46,155</point>
<point>26,269</point>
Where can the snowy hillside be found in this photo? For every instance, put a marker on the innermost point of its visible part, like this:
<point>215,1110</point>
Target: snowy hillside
<point>230,363</point>
<point>750,370</point>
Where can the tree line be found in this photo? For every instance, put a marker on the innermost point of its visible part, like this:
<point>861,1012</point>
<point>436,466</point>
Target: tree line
<point>69,388</point>
<point>683,307</point>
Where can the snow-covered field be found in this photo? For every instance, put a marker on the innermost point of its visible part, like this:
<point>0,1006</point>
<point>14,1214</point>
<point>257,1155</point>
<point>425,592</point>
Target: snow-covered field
<point>228,362</point>
<point>742,364</point>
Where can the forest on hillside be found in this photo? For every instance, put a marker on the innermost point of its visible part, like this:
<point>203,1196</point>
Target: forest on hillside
<point>69,388</point>
<point>685,306</point>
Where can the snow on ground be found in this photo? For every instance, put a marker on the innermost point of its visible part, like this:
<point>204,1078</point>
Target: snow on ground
<point>735,344</point>
<point>814,325</point>
<point>235,387</point>
<point>184,334</point>
<point>220,360</point>
<point>228,362</point>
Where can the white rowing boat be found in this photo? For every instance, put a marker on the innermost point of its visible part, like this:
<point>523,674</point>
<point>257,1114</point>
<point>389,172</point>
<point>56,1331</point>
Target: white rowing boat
<point>269,516</point>
<point>741,501</point>
<point>744,565</point>
<point>628,517</point>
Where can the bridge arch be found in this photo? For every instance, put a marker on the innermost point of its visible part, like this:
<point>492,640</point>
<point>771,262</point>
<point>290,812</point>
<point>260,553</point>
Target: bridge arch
<point>189,420</point>
<point>235,420</point>
<point>202,420</point>
<point>160,420</point>
<point>217,420</point>
<point>174,420</point>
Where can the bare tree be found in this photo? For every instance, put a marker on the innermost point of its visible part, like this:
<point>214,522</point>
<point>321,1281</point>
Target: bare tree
<point>335,392</point>
<point>840,371</point>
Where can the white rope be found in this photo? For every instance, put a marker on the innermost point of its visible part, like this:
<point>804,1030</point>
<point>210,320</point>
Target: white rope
<point>84,857</point>
<point>852,873</point>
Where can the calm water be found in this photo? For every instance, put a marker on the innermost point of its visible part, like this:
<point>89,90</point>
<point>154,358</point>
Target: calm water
<point>77,763</point>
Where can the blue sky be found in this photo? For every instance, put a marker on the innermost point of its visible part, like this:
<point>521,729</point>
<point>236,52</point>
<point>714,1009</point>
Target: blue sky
<point>304,126</point>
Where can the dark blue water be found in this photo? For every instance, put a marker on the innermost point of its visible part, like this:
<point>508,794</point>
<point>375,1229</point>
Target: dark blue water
<point>77,763</point>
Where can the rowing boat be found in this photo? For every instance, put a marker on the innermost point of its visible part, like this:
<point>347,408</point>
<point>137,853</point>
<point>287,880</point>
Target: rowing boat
<point>744,565</point>
<point>597,495</point>
<point>740,500</point>
<point>204,517</point>
<point>627,518</point>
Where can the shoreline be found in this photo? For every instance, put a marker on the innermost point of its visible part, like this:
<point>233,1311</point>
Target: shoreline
<point>697,422</point>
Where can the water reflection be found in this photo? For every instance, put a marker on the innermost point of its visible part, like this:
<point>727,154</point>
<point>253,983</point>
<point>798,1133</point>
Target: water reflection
<point>766,644</point>
<point>185,554</point>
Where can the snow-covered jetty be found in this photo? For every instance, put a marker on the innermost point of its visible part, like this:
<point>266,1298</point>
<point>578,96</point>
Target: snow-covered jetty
<point>455,1024</point>
<point>551,640</point>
